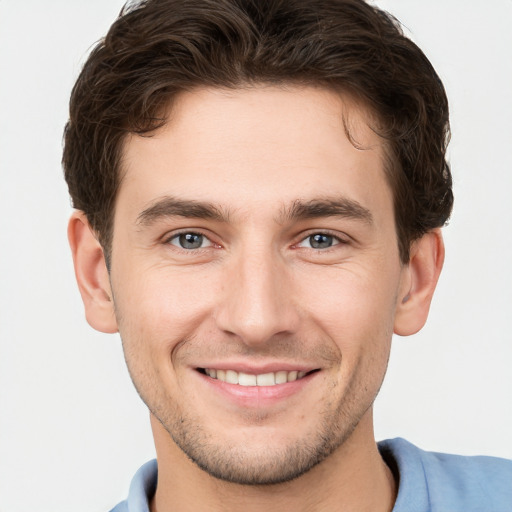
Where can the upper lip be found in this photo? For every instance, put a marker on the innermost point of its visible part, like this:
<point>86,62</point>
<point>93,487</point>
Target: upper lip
<point>258,369</point>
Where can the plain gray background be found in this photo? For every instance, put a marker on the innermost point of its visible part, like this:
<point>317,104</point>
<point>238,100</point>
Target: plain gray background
<point>72,429</point>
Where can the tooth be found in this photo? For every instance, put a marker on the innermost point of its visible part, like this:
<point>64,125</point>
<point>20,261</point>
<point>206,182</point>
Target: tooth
<point>231,377</point>
<point>245,379</point>
<point>281,377</point>
<point>292,376</point>
<point>265,379</point>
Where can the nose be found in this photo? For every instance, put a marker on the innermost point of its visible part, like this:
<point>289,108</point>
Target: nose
<point>257,299</point>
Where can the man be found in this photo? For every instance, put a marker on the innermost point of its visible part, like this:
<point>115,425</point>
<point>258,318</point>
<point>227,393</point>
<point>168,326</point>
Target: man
<point>259,190</point>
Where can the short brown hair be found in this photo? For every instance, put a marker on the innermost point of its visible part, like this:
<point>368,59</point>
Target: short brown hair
<point>157,48</point>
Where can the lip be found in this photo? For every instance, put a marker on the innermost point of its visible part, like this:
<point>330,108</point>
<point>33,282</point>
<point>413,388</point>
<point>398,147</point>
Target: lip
<point>258,369</point>
<point>256,396</point>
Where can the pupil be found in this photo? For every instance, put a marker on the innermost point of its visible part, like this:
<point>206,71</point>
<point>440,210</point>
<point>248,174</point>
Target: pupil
<point>191,240</point>
<point>320,241</point>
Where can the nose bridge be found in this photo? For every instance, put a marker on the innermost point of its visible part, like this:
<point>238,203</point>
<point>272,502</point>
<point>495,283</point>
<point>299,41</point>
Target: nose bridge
<point>255,305</point>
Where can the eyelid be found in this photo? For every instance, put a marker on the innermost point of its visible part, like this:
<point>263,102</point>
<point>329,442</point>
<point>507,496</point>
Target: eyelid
<point>204,239</point>
<point>174,235</point>
<point>340,238</point>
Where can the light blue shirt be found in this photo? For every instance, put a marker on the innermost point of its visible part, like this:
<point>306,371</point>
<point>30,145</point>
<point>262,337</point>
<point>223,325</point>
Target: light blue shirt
<point>428,482</point>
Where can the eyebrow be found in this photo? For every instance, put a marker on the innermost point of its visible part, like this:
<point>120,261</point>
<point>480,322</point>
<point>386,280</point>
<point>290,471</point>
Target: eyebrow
<point>172,207</point>
<point>329,207</point>
<point>169,206</point>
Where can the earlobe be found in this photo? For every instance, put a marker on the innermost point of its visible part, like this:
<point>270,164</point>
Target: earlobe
<point>420,279</point>
<point>91,274</point>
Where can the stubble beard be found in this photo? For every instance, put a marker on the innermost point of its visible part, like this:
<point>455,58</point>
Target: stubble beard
<point>245,465</point>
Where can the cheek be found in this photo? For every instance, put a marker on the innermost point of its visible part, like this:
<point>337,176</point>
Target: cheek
<point>159,308</point>
<point>355,308</point>
<point>357,316</point>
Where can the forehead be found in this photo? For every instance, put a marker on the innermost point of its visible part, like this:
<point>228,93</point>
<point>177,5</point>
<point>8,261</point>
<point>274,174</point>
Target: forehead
<point>261,145</point>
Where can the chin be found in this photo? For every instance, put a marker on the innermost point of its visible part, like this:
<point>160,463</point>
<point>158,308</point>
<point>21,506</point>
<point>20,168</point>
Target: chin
<point>253,459</point>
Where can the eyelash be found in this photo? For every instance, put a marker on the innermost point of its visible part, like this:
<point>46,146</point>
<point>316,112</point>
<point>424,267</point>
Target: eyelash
<point>176,236</point>
<point>336,239</point>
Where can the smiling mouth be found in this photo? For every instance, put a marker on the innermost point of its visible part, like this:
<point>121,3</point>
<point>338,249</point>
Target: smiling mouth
<point>247,379</point>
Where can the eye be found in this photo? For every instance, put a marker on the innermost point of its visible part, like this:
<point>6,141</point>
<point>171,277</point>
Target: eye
<point>319,241</point>
<point>190,241</point>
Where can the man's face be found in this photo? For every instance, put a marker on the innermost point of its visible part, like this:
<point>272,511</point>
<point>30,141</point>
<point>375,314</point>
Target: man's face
<point>255,275</point>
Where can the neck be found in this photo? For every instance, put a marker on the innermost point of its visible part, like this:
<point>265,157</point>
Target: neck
<point>352,478</point>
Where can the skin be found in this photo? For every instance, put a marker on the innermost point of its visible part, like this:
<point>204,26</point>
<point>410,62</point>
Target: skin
<point>257,173</point>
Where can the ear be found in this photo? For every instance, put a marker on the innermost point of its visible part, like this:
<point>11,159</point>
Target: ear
<point>91,274</point>
<point>419,280</point>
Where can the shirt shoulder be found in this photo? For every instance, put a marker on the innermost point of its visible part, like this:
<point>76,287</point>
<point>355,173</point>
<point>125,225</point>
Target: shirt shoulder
<point>142,489</point>
<point>121,507</point>
<point>439,482</point>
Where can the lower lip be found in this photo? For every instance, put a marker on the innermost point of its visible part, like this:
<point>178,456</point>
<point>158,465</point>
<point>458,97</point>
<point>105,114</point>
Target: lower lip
<point>254,396</point>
